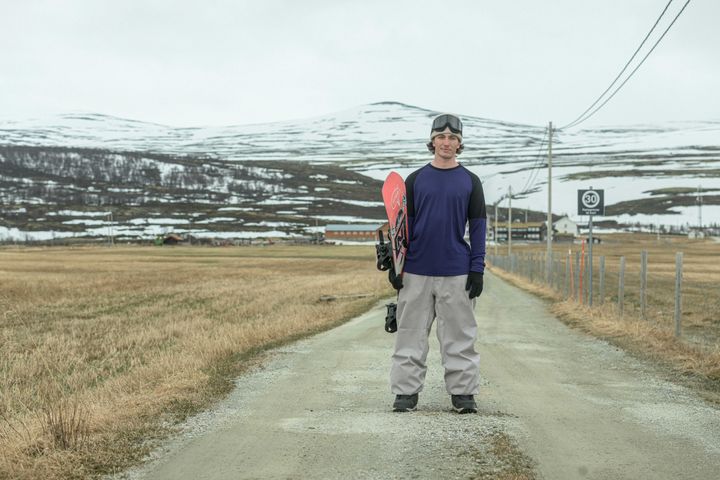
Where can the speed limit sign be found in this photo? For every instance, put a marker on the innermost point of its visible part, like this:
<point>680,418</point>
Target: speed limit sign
<point>591,202</point>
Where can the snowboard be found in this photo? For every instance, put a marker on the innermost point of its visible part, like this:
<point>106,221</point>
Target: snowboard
<point>393,192</point>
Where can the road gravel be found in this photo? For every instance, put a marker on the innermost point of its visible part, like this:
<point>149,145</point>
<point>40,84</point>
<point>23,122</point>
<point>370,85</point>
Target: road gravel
<point>577,406</point>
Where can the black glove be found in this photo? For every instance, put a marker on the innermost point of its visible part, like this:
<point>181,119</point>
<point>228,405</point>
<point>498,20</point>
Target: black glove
<point>395,280</point>
<point>474,284</point>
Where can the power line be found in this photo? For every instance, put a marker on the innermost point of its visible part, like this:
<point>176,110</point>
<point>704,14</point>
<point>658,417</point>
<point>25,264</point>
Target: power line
<point>530,183</point>
<point>536,163</point>
<point>584,117</point>
<point>624,68</point>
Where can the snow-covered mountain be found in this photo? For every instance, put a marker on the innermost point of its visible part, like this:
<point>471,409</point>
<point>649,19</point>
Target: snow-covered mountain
<point>650,173</point>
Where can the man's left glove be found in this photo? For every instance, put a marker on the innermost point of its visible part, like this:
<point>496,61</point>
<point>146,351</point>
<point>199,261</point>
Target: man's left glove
<point>395,280</point>
<point>474,284</point>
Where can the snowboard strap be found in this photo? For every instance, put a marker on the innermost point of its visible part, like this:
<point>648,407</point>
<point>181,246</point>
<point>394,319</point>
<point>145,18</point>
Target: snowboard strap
<point>383,252</point>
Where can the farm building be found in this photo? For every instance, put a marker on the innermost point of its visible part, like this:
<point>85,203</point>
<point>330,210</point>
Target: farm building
<point>354,232</point>
<point>696,233</point>
<point>169,239</point>
<point>522,231</point>
<point>566,226</point>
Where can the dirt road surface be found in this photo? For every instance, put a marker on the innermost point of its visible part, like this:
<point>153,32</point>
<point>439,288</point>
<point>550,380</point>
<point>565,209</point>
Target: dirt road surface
<point>577,406</point>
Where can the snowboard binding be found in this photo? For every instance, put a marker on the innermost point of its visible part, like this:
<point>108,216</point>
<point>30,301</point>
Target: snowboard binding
<point>383,251</point>
<point>390,318</point>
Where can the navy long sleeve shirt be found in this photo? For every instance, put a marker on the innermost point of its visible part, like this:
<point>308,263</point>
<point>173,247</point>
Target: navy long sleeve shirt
<point>441,203</point>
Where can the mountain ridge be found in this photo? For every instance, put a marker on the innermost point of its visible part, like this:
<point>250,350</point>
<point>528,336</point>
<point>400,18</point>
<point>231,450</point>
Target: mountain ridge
<point>647,170</point>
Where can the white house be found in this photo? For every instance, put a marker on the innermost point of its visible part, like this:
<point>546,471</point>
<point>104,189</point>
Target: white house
<point>566,226</point>
<point>696,234</point>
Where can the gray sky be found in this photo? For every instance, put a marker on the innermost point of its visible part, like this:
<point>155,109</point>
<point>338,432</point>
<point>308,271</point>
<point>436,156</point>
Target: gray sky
<point>188,63</point>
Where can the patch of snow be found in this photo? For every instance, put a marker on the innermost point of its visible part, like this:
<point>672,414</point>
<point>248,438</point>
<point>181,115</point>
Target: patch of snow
<point>217,220</point>
<point>84,221</point>
<point>14,234</point>
<point>347,219</point>
<point>280,201</point>
<point>158,221</point>
<point>271,224</point>
<point>75,213</point>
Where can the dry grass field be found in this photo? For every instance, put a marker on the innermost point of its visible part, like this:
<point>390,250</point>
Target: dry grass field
<point>697,352</point>
<point>103,349</point>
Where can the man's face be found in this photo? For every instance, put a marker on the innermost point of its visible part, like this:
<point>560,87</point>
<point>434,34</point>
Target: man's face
<point>446,144</point>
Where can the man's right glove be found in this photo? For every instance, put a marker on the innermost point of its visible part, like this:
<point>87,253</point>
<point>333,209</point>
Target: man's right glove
<point>474,284</point>
<point>395,280</point>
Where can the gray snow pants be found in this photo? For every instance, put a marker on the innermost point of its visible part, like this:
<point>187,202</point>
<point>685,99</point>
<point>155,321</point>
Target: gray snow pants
<point>422,300</point>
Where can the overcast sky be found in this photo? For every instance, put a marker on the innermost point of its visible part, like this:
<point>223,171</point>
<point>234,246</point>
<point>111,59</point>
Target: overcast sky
<point>188,63</point>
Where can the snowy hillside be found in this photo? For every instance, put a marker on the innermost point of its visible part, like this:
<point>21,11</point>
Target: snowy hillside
<point>651,173</point>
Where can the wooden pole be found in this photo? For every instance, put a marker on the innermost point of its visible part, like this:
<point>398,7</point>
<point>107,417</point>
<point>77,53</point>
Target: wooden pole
<point>643,284</point>
<point>678,292</point>
<point>576,277</point>
<point>567,275</point>
<point>601,294</point>
<point>496,230</point>
<point>590,263</point>
<point>509,229</point>
<point>621,287</point>
<point>582,273</point>
<point>549,255</point>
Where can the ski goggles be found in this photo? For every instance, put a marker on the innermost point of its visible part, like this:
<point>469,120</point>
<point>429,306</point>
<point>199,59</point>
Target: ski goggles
<point>447,121</point>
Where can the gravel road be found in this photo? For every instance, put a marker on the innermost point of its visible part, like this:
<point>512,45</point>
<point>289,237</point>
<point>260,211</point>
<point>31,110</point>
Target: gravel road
<point>577,406</point>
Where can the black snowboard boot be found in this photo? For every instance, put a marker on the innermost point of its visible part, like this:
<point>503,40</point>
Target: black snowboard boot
<point>464,403</point>
<point>405,403</point>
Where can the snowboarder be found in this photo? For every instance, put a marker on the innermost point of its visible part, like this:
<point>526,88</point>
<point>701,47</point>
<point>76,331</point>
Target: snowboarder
<point>442,275</point>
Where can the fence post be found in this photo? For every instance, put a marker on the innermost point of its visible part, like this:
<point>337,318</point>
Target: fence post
<point>678,294</point>
<point>589,277</point>
<point>643,283</point>
<point>567,276</point>
<point>601,300</point>
<point>621,287</point>
<point>576,277</point>
<point>531,266</point>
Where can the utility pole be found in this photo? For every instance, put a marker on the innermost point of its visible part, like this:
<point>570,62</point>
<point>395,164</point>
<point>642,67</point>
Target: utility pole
<point>495,235</point>
<point>509,229</point>
<point>548,255</point>
<point>111,234</point>
<point>699,202</point>
<point>590,261</point>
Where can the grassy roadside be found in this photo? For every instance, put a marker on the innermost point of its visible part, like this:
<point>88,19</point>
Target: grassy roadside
<point>691,364</point>
<point>103,350</point>
<point>509,462</point>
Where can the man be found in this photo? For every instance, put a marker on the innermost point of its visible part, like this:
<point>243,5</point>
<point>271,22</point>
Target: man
<point>442,275</point>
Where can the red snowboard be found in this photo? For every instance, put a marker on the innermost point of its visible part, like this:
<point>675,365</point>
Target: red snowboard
<point>393,193</point>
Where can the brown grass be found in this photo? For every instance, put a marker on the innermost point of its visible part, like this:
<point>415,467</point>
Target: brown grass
<point>509,462</point>
<point>104,349</point>
<point>697,352</point>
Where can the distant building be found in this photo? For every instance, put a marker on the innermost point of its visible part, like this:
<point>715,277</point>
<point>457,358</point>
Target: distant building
<point>522,231</point>
<point>696,234</point>
<point>489,233</point>
<point>354,232</point>
<point>169,239</point>
<point>565,226</point>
